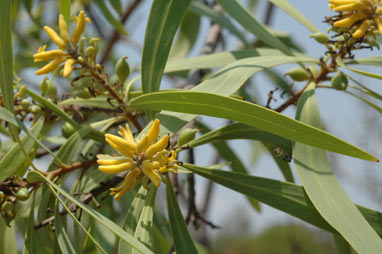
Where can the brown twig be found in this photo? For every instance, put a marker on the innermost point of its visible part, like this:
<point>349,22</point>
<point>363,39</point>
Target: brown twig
<point>116,35</point>
<point>70,168</point>
<point>87,198</point>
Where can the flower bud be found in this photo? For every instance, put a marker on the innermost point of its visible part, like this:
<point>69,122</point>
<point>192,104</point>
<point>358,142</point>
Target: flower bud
<point>23,194</point>
<point>43,86</point>
<point>122,69</point>
<point>51,90</point>
<point>297,74</point>
<point>320,37</point>
<point>186,136</point>
<point>67,130</point>
<point>339,81</point>
<point>25,103</point>
<point>35,109</point>
<point>90,51</point>
<point>22,90</point>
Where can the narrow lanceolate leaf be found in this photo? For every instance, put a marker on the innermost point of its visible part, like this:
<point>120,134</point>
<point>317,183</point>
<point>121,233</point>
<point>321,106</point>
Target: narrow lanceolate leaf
<point>262,118</point>
<point>6,59</point>
<point>96,135</point>
<point>239,12</point>
<point>109,224</point>
<point>180,235</point>
<point>164,20</point>
<point>241,131</point>
<point>284,196</point>
<point>132,217</point>
<point>109,16</point>
<point>364,73</point>
<point>144,229</point>
<point>218,17</point>
<point>65,10</point>
<point>62,236</point>
<point>294,13</point>
<point>342,246</point>
<point>7,238</point>
<point>14,161</point>
<point>229,155</point>
<point>323,189</point>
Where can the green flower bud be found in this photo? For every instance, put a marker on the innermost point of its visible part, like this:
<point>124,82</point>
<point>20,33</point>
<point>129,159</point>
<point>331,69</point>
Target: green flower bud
<point>320,37</point>
<point>25,103</point>
<point>35,109</point>
<point>90,51</point>
<point>186,136</point>
<point>51,90</point>
<point>122,69</point>
<point>23,194</point>
<point>43,86</point>
<point>94,42</point>
<point>297,74</point>
<point>339,81</point>
<point>2,195</point>
<point>22,90</point>
<point>67,130</point>
<point>83,93</point>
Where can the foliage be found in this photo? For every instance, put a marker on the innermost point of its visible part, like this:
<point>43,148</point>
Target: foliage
<point>85,120</point>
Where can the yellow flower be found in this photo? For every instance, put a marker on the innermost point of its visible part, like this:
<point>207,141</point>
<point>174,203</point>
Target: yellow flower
<point>360,16</point>
<point>145,160</point>
<point>64,42</point>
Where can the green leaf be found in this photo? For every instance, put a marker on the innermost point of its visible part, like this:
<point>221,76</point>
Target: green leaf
<point>237,11</point>
<point>65,10</point>
<point>323,189</point>
<point>96,135</point>
<point>97,102</point>
<point>262,118</point>
<point>117,5</point>
<point>218,17</point>
<point>228,154</point>
<point>132,217</point>
<point>182,238</point>
<point>294,13</point>
<point>6,58</point>
<point>14,160</point>
<point>61,234</point>
<point>342,246</point>
<point>284,196</point>
<point>242,131</point>
<point>109,224</point>
<point>376,107</point>
<point>144,229</point>
<point>364,73</point>
<point>374,61</point>
<point>164,20</point>
<point>7,238</point>
<point>227,57</point>
<point>187,35</point>
<point>109,17</point>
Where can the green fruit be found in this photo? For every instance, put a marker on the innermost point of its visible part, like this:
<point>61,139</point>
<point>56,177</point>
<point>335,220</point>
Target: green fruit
<point>186,136</point>
<point>2,195</point>
<point>35,109</point>
<point>83,93</point>
<point>297,74</point>
<point>23,194</point>
<point>51,90</point>
<point>339,81</point>
<point>22,90</point>
<point>67,130</point>
<point>122,69</point>
<point>320,37</point>
<point>43,86</point>
<point>313,70</point>
<point>25,103</point>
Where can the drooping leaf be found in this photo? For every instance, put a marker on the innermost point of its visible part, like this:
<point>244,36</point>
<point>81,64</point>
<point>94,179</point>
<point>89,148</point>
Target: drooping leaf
<point>262,118</point>
<point>7,238</point>
<point>61,234</point>
<point>284,196</point>
<point>182,238</point>
<point>323,189</point>
<point>294,13</point>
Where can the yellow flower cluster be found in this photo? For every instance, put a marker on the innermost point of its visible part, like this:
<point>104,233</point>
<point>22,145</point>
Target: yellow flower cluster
<point>364,15</point>
<point>66,44</point>
<point>145,160</point>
